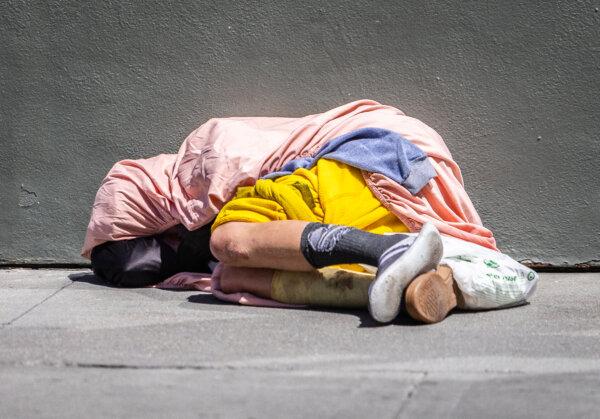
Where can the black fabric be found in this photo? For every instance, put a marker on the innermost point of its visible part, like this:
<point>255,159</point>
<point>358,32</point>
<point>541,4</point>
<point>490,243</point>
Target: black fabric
<point>149,260</point>
<point>194,252</point>
<point>138,262</point>
<point>328,244</point>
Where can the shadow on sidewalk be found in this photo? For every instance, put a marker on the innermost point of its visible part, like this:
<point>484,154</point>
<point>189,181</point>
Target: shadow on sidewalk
<point>366,321</point>
<point>403,319</point>
<point>90,278</point>
<point>206,298</point>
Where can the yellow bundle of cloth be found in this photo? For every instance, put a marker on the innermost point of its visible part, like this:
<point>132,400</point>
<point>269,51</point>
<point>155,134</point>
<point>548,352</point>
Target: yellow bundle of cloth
<point>330,192</point>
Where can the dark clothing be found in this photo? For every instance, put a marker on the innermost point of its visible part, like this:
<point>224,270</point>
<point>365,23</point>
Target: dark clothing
<point>330,244</point>
<point>145,261</point>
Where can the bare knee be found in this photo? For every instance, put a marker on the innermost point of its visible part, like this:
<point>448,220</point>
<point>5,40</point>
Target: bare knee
<point>228,244</point>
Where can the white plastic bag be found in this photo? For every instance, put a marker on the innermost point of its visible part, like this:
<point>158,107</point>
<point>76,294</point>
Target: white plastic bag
<point>487,279</point>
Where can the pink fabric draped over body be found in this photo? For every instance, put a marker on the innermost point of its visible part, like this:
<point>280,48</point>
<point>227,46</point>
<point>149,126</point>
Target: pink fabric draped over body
<point>149,196</point>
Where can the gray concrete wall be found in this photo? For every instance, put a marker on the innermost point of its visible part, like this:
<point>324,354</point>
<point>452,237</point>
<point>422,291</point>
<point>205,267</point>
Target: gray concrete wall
<point>512,86</point>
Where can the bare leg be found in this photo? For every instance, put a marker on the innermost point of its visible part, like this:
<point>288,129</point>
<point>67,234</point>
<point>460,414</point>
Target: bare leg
<point>248,249</point>
<point>277,245</point>
<point>273,245</point>
<point>256,281</point>
<point>430,297</point>
<point>329,287</point>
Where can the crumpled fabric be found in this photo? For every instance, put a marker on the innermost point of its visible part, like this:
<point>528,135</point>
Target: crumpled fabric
<point>210,283</point>
<point>148,196</point>
<point>373,150</point>
<point>331,192</point>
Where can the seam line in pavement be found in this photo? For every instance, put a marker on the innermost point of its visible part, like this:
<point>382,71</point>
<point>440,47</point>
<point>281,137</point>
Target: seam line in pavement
<point>204,367</point>
<point>410,393</point>
<point>29,310</point>
<point>422,374</point>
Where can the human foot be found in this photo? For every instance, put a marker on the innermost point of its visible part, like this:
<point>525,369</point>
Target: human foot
<point>431,296</point>
<point>397,267</point>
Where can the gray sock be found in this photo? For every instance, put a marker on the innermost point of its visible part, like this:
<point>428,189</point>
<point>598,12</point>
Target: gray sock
<point>329,244</point>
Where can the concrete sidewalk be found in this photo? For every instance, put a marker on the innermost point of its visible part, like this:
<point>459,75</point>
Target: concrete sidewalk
<point>71,348</point>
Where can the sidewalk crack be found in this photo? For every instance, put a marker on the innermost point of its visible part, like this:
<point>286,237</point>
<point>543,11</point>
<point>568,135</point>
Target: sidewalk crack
<point>29,310</point>
<point>411,392</point>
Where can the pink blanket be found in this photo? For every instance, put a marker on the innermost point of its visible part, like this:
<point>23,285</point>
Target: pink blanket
<point>149,196</point>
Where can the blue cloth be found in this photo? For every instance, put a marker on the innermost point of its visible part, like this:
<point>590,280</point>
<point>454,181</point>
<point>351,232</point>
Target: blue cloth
<point>374,150</point>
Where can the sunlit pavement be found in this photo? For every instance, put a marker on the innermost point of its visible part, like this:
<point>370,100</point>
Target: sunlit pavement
<point>71,347</point>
